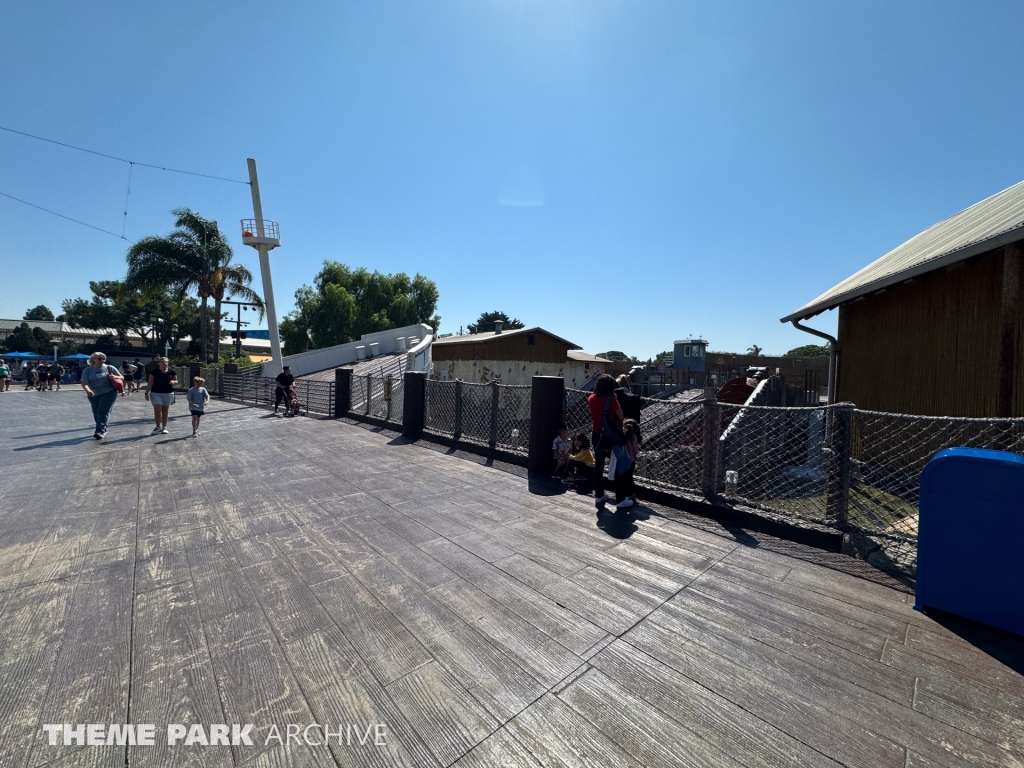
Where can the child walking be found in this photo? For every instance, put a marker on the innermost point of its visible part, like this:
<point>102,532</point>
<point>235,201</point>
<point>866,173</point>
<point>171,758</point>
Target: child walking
<point>198,398</point>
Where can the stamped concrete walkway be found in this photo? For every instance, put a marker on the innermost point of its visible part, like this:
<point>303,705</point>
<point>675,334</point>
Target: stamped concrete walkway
<point>293,571</point>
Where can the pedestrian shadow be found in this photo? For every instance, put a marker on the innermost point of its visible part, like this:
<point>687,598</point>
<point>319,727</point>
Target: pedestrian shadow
<point>618,525</point>
<point>57,443</point>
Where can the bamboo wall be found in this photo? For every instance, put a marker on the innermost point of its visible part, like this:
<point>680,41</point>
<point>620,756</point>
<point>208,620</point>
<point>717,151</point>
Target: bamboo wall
<point>929,347</point>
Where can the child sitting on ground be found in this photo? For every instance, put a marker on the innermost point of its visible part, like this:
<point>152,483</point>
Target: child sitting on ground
<point>581,461</point>
<point>198,398</point>
<point>561,449</point>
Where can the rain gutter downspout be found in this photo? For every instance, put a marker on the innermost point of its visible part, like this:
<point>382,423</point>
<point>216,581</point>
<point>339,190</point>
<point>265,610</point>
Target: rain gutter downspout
<point>833,344</point>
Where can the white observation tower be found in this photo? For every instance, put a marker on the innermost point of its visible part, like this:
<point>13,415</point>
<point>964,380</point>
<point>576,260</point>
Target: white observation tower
<point>263,235</point>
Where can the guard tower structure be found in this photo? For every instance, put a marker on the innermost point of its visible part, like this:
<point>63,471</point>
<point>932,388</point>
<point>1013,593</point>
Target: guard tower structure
<point>264,235</point>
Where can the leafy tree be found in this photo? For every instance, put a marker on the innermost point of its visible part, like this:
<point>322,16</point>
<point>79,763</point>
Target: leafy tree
<point>485,322</point>
<point>343,304</point>
<point>41,312</point>
<point>293,336</point>
<point>665,357</point>
<point>196,256</point>
<point>21,339</point>
<point>122,309</point>
<point>809,350</point>
<point>754,350</point>
<point>616,357</point>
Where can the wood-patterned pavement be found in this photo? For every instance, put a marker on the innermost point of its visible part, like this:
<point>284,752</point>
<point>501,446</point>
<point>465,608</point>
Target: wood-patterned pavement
<point>292,571</point>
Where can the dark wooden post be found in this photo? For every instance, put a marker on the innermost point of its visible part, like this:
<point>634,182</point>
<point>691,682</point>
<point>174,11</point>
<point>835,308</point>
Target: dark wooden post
<point>547,404</point>
<point>495,395</point>
<point>712,431</point>
<point>369,393</point>
<point>840,442</point>
<point>458,409</point>
<point>1009,310</point>
<point>414,403</point>
<point>342,391</point>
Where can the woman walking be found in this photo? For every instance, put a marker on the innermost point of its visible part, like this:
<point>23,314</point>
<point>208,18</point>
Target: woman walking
<point>98,382</point>
<point>160,393</point>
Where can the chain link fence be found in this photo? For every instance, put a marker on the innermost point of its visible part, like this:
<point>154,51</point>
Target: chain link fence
<point>315,397</point>
<point>493,415</point>
<point>671,455</point>
<point>379,397</point>
<point>513,430</point>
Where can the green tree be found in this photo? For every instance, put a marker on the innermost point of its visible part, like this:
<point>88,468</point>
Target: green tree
<point>809,350</point>
<point>343,304</point>
<point>21,339</point>
<point>125,310</point>
<point>754,350</point>
<point>485,322</point>
<point>196,256</point>
<point>293,336</point>
<point>41,312</point>
<point>615,356</point>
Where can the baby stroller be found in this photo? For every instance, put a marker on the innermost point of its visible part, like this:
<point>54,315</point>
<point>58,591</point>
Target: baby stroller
<point>294,406</point>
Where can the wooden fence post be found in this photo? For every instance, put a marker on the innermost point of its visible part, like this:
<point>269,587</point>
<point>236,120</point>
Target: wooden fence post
<point>712,431</point>
<point>458,409</point>
<point>495,394</point>
<point>837,494</point>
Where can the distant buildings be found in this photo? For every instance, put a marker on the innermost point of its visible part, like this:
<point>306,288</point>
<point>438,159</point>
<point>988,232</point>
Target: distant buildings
<point>688,354</point>
<point>514,357</point>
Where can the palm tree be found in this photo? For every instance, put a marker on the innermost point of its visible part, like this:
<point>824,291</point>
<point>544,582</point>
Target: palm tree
<point>754,350</point>
<point>194,257</point>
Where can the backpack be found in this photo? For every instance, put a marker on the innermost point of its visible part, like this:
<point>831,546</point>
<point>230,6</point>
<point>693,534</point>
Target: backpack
<point>609,431</point>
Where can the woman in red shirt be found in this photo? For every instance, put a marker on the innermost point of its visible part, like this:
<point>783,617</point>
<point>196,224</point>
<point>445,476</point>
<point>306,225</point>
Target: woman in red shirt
<point>604,388</point>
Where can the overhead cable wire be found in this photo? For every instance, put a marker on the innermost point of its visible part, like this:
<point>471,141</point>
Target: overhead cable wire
<point>61,215</point>
<point>121,159</point>
<point>131,167</point>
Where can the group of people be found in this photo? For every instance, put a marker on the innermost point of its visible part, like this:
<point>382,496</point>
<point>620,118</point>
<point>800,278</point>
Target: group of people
<point>103,382</point>
<point>614,440</point>
<point>42,377</point>
<point>134,372</point>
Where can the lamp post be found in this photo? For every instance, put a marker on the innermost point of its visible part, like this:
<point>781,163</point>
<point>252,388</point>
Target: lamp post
<point>153,319</point>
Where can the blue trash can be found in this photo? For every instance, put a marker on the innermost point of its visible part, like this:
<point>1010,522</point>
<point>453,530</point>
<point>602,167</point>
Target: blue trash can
<point>970,543</point>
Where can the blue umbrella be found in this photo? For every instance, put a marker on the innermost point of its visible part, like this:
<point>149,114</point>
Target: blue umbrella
<point>20,354</point>
<point>76,356</point>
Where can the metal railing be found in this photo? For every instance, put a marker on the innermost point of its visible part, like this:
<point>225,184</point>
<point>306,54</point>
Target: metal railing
<point>493,415</point>
<point>315,397</point>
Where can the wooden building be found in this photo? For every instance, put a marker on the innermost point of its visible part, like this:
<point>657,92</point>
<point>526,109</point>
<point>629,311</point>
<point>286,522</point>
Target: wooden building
<point>936,326</point>
<point>515,357</point>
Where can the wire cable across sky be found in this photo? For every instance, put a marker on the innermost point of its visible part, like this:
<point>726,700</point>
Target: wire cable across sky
<point>121,159</point>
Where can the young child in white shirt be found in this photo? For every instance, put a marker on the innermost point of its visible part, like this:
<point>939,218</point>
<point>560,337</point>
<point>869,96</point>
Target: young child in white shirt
<point>562,447</point>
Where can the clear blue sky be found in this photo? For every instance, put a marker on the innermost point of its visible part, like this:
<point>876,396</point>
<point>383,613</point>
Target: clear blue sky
<point>623,174</point>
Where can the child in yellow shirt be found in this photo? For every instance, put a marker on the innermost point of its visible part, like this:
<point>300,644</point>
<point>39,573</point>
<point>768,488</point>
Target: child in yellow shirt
<point>581,460</point>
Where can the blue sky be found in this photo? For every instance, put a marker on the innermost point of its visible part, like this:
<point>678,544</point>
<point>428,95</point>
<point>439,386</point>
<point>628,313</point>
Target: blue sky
<point>621,173</point>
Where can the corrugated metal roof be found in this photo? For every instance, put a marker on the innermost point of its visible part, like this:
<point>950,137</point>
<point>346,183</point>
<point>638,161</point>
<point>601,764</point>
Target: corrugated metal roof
<point>586,357</point>
<point>992,223</point>
<point>486,335</point>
